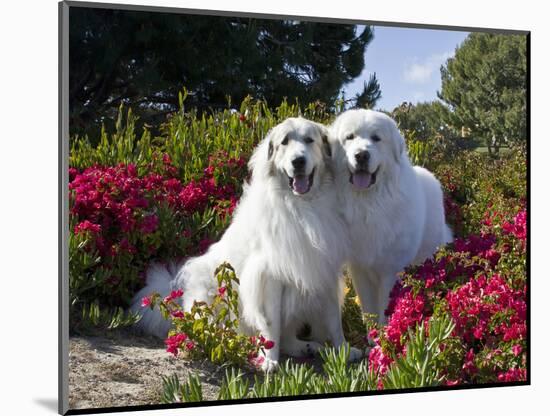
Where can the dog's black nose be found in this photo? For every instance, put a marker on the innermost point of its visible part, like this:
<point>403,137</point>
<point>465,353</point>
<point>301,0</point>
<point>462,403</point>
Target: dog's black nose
<point>362,157</point>
<point>299,162</point>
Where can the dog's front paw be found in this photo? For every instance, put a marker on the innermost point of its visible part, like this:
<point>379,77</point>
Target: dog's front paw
<point>269,365</point>
<point>355,354</point>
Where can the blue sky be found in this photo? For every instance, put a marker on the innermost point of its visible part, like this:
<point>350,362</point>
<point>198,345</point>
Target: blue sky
<point>406,62</point>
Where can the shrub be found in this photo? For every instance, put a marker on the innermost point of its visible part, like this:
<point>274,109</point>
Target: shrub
<point>480,282</point>
<point>210,330</point>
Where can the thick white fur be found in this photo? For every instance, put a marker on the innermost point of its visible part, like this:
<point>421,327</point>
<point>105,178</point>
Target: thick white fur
<point>287,249</point>
<point>398,220</point>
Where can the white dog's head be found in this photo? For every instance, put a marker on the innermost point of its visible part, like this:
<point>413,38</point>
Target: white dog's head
<point>370,145</point>
<point>295,154</point>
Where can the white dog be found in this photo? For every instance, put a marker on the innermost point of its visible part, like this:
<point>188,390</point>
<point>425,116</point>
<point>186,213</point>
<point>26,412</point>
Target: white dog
<point>285,243</point>
<point>394,211</point>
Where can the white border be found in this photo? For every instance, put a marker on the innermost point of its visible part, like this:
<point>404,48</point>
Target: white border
<point>28,171</point>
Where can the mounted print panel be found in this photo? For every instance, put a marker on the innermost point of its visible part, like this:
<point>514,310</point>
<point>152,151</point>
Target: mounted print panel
<point>262,208</point>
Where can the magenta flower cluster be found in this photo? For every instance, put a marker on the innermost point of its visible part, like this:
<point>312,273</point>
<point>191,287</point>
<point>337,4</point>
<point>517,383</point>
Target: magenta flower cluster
<point>480,283</point>
<point>120,212</point>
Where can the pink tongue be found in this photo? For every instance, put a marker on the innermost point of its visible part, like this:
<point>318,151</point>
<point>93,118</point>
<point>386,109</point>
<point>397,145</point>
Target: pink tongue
<point>362,179</point>
<point>300,184</point>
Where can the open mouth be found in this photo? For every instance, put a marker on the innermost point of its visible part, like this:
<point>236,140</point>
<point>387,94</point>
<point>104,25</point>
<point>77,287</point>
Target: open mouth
<point>301,184</point>
<point>362,179</point>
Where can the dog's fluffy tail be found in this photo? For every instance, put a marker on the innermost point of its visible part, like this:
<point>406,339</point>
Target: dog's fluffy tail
<point>160,279</point>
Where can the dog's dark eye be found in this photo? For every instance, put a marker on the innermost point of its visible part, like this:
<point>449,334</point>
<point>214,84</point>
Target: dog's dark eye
<point>308,140</point>
<point>285,141</point>
<point>350,137</point>
<point>375,138</point>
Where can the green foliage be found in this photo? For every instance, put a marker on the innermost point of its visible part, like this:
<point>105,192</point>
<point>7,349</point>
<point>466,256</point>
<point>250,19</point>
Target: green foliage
<point>339,375</point>
<point>478,182</point>
<point>85,311</point>
<point>485,84</point>
<point>370,95</point>
<point>188,138</point>
<point>421,365</point>
<point>353,321</point>
<point>210,330</point>
<point>291,379</point>
<point>174,392</point>
<point>425,120</point>
<point>420,151</point>
<point>143,59</point>
<point>234,385</point>
<point>94,316</point>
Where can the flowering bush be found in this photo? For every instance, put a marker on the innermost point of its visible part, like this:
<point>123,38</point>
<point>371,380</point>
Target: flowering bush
<point>210,330</point>
<point>480,283</point>
<point>126,220</point>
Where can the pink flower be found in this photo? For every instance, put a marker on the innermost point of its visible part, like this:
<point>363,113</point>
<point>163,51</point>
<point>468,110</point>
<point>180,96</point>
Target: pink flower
<point>177,314</point>
<point>513,374</point>
<point>87,226</point>
<point>378,361</point>
<point>189,345</point>
<point>222,290</point>
<point>469,365</point>
<point>255,359</point>
<point>174,342</point>
<point>173,295</point>
<point>269,344</point>
<point>146,301</point>
<point>516,350</point>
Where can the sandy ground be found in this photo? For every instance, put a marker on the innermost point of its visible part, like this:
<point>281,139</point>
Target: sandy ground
<point>124,369</point>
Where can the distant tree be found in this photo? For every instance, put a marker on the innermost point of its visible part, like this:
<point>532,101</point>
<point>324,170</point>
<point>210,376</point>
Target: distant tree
<point>370,95</point>
<point>144,59</point>
<point>426,120</point>
<point>485,85</point>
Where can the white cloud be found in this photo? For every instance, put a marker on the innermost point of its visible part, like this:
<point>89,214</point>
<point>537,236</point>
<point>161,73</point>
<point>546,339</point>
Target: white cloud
<point>421,72</point>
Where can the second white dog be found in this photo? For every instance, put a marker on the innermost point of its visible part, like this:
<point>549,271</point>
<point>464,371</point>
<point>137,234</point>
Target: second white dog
<point>394,211</point>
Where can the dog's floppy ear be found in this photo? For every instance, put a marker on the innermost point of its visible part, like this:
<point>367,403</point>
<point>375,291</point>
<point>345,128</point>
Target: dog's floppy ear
<point>398,142</point>
<point>323,132</point>
<point>326,145</point>
<point>261,161</point>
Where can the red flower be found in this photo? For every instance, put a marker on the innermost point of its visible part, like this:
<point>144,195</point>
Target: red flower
<point>177,314</point>
<point>516,350</point>
<point>87,226</point>
<point>513,374</point>
<point>146,301</point>
<point>174,342</point>
<point>173,295</point>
